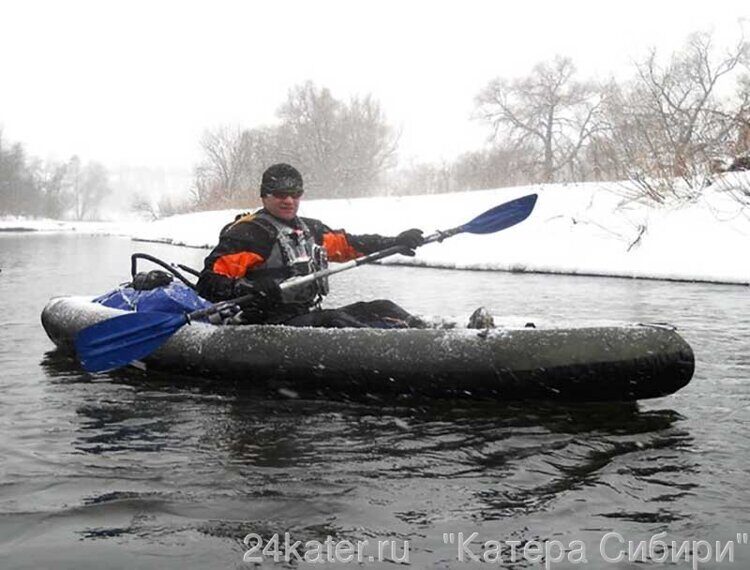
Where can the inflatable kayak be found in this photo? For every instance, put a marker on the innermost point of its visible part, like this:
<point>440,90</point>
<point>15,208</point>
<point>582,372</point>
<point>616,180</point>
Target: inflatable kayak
<point>602,363</point>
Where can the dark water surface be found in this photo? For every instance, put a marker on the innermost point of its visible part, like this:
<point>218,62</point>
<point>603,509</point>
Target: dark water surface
<point>136,471</point>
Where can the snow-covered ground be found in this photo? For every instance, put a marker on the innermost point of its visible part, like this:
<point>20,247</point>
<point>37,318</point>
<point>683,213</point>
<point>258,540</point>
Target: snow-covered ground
<point>575,228</point>
<point>128,227</point>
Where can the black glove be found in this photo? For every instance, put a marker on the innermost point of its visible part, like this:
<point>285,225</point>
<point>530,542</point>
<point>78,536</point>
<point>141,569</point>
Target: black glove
<point>264,289</point>
<point>410,239</point>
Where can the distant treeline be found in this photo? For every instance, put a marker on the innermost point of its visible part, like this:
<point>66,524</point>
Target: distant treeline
<point>671,125</point>
<point>31,187</point>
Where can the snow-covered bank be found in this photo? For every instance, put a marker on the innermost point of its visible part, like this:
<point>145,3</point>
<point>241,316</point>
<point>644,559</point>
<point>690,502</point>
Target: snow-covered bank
<point>19,224</point>
<point>575,229</point>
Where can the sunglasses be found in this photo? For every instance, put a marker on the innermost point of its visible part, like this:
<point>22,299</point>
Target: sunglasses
<point>281,194</point>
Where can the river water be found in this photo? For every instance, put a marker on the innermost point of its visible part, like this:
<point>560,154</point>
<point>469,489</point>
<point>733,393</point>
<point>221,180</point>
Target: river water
<point>130,470</point>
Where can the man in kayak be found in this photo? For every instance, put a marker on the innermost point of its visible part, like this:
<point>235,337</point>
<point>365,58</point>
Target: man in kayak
<point>259,250</point>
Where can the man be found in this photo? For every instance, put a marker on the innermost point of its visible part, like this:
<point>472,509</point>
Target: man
<point>257,251</point>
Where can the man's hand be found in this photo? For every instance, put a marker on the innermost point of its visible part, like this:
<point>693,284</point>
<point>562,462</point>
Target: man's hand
<point>410,240</point>
<point>264,289</point>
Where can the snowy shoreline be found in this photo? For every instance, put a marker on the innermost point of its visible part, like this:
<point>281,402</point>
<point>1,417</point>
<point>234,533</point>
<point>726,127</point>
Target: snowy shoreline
<point>576,229</point>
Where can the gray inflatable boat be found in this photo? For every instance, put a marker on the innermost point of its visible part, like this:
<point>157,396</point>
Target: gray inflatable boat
<point>602,363</point>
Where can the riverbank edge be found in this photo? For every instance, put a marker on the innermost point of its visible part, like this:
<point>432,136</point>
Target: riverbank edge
<point>580,230</point>
<point>427,265</point>
<point>416,263</point>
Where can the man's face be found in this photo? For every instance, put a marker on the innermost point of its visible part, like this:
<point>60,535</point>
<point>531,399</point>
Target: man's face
<point>282,203</point>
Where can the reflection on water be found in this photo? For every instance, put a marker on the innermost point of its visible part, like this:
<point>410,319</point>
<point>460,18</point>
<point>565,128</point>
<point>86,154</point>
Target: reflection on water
<point>163,471</point>
<point>482,462</point>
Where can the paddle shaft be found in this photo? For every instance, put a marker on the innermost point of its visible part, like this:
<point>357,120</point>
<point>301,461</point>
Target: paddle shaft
<point>493,220</point>
<point>294,282</point>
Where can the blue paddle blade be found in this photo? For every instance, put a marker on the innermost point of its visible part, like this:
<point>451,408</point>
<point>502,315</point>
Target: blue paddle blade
<point>502,216</point>
<point>119,341</point>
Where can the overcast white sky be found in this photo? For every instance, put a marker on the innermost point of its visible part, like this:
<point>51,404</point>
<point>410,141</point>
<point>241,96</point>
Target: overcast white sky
<point>136,82</point>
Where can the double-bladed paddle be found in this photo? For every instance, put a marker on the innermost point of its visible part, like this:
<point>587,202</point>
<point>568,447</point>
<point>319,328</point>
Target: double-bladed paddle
<point>118,341</point>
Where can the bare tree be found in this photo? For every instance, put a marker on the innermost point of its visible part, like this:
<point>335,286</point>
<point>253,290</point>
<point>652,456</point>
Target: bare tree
<point>492,167</point>
<point>74,184</point>
<point>50,179</point>
<point>342,148</point>
<point>233,163</point>
<point>163,208</point>
<point>168,206</point>
<point>18,193</point>
<point>220,176</point>
<point>548,112</point>
<point>675,118</point>
<point>88,185</point>
<point>369,143</point>
<point>142,205</point>
<point>422,178</point>
<point>742,140</point>
<point>308,135</point>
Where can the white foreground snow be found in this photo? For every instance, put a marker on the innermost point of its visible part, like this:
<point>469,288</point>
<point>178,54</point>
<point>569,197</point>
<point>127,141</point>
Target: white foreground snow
<point>575,228</point>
